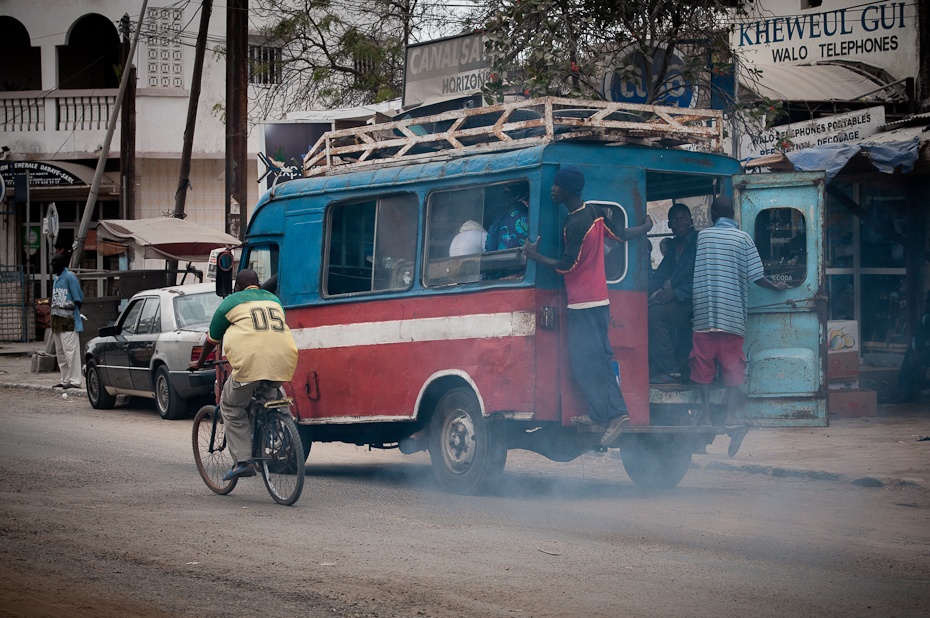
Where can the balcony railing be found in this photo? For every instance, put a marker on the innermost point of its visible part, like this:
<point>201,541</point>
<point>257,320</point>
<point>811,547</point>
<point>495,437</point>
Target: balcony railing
<point>22,111</point>
<point>72,110</point>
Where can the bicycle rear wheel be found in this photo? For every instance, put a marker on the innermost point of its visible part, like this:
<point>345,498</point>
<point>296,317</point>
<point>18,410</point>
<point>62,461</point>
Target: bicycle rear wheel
<point>281,457</point>
<point>212,462</point>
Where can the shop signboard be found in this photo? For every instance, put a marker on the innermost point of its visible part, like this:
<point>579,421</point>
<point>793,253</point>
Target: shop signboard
<point>445,69</point>
<point>825,130</point>
<point>31,239</point>
<point>41,174</point>
<point>882,34</point>
<point>635,83</point>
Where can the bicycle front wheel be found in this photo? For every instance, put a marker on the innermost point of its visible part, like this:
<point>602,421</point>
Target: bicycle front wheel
<point>281,457</point>
<point>210,450</point>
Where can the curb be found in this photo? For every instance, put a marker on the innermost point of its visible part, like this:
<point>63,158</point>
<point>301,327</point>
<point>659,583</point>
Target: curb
<point>71,392</point>
<point>815,475</point>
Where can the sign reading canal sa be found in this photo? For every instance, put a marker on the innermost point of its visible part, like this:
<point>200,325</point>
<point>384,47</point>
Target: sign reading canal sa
<point>445,69</point>
<point>826,130</point>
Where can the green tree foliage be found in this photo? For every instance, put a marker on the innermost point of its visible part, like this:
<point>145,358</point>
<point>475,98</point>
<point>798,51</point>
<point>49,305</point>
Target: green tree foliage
<point>582,48</point>
<point>336,53</point>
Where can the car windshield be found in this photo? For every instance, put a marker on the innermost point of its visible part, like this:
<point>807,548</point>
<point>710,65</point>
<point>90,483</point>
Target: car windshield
<point>195,309</point>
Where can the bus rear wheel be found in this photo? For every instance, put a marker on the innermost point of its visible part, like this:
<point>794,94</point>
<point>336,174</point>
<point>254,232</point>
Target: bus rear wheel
<point>656,461</point>
<point>467,451</point>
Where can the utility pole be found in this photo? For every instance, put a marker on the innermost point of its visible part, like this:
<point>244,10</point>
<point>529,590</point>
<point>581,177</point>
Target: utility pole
<point>91,204</point>
<point>237,85</point>
<point>184,181</point>
<point>127,147</point>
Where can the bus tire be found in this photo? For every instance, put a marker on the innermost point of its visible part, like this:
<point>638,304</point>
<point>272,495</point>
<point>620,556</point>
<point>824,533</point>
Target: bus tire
<point>656,461</point>
<point>304,432</point>
<point>467,451</point>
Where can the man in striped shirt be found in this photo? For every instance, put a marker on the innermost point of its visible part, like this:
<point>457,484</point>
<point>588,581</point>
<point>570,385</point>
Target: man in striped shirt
<point>727,261</point>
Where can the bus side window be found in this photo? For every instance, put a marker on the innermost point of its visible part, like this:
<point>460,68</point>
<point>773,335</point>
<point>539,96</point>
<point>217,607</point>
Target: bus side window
<point>371,245</point>
<point>455,236</point>
<point>781,238</point>
<point>476,233</point>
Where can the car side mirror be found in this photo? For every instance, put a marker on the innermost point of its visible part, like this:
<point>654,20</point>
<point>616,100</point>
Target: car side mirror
<point>224,274</point>
<point>108,331</point>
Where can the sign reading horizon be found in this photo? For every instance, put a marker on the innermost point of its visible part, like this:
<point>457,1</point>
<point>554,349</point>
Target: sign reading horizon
<point>784,32</point>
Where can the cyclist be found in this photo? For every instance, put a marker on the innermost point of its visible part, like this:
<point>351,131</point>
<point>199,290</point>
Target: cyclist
<point>259,346</point>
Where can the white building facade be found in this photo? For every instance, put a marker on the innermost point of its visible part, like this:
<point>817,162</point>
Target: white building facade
<point>58,89</point>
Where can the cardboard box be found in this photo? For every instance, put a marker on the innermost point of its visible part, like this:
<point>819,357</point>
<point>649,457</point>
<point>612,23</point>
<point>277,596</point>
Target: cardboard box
<point>842,335</point>
<point>842,365</point>
<point>851,403</point>
<point>841,384</point>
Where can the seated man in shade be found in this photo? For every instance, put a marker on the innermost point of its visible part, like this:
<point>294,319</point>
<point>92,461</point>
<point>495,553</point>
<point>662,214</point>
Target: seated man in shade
<point>670,299</point>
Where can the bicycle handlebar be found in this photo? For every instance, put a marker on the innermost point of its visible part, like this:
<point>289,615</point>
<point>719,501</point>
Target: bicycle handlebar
<point>211,363</point>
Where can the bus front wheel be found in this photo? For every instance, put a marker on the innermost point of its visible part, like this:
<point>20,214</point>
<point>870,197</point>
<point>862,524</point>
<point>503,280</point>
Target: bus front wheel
<point>467,451</point>
<point>656,461</point>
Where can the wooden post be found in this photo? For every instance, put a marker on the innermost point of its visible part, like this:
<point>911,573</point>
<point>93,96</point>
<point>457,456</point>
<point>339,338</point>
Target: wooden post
<point>237,85</point>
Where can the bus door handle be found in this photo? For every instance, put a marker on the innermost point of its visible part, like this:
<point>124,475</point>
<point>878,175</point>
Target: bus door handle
<point>312,387</point>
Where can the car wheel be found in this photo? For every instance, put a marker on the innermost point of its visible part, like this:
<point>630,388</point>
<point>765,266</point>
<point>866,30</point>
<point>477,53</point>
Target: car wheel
<point>171,406</point>
<point>96,393</point>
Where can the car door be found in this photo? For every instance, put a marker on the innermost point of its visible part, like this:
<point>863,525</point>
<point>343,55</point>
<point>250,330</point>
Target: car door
<point>142,344</point>
<point>785,335</point>
<point>115,355</point>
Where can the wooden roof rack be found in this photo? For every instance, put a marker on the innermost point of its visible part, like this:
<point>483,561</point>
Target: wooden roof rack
<point>510,126</point>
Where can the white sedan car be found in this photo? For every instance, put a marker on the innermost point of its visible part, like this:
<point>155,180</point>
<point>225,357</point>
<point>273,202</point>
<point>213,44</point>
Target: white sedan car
<point>147,351</point>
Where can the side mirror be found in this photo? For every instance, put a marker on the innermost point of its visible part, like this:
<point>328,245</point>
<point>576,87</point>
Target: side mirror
<point>224,274</point>
<point>108,331</point>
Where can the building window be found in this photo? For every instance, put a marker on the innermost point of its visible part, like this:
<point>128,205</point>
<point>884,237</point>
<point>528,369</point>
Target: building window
<point>265,64</point>
<point>866,270</point>
<point>165,51</point>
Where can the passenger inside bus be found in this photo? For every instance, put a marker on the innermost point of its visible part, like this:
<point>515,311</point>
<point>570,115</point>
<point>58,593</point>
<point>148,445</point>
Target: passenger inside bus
<point>470,239</point>
<point>670,302</point>
<point>510,229</point>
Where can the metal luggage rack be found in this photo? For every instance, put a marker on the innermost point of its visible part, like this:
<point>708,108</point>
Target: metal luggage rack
<point>510,126</point>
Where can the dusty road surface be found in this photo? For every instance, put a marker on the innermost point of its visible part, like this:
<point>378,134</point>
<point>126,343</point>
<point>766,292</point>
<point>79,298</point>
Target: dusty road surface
<point>102,513</point>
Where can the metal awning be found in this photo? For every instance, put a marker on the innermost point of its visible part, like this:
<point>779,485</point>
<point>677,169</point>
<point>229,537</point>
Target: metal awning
<point>818,82</point>
<point>166,238</point>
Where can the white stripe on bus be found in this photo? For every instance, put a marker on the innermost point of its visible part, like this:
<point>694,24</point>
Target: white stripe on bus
<point>448,328</point>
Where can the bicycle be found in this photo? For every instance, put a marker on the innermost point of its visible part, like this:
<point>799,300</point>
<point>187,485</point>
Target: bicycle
<point>276,447</point>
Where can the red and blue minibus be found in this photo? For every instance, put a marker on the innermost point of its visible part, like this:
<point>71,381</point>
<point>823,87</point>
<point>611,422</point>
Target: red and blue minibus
<point>404,346</point>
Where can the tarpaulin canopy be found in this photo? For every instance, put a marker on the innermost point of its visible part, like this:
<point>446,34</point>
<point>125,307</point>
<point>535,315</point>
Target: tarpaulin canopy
<point>886,155</point>
<point>888,152</point>
<point>166,238</point>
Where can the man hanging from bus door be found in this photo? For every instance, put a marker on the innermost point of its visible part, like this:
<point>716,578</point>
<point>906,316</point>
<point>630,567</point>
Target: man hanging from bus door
<point>582,267</point>
<point>726,261</point>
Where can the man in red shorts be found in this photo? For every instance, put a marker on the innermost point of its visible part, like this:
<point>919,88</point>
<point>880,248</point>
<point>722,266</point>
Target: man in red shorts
<point>727,261</point>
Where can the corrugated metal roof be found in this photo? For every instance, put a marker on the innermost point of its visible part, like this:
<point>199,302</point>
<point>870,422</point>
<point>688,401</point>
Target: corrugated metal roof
<point>816,82</point>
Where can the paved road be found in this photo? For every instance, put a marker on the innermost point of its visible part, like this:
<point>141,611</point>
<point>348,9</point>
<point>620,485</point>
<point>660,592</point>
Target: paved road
<point>102,514</point>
